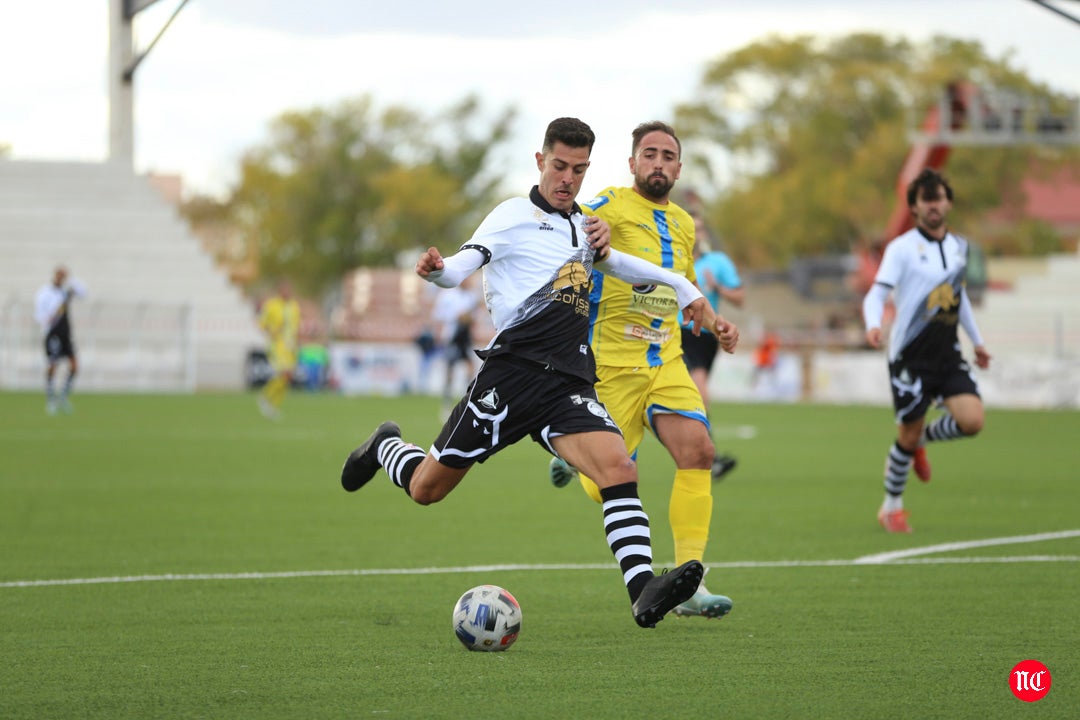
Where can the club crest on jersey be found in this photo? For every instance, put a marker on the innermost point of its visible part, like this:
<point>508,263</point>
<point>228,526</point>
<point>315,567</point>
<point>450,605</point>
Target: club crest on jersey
<point>490,399</point>
<point>943,298</point>
<point>573,276</point>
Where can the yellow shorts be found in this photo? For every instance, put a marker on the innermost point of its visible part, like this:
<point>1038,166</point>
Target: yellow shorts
<point>282,357</point>
<point>633,396</point>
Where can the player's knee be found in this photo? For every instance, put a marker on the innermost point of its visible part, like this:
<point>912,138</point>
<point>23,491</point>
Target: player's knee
<point>704,454</point>
<point>624,472</point>
<point>617,473</point>
<point>695,454</point>
<point>971,426</point>
<point>424,488</point>
<point>425,494</point>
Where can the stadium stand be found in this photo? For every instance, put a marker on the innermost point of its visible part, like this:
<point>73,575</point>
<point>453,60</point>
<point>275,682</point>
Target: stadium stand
<point>1040,312</point>
<point>160,314</point>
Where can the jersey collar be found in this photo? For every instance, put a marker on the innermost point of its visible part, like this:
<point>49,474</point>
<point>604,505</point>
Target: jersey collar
<point>539,201</point>
<point>931,238</point>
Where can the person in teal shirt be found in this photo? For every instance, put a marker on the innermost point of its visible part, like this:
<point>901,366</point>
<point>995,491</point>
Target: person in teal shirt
<point>719,280</point>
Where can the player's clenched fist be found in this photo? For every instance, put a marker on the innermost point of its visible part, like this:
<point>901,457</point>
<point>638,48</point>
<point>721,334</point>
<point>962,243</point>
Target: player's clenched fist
<point>429,262</point>
<point>727,333</point>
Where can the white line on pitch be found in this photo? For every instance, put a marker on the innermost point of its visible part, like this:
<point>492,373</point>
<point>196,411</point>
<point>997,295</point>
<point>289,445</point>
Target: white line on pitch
<point>966,545</point>
<point>509,568</point>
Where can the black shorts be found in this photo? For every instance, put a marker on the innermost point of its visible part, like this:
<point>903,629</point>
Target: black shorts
<point>58,345</point>
<point>914,388</point>
<point>460,344</point>
<point>458,351</point>
<point>699,351</point>
<point>510,399</point>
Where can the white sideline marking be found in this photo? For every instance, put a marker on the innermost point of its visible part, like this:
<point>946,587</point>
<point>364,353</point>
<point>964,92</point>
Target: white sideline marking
<point>740,432</point>
<point>886,557</point>
<point>503,568</point>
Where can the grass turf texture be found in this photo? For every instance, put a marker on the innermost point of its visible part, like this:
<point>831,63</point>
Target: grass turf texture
<point>135,486</point>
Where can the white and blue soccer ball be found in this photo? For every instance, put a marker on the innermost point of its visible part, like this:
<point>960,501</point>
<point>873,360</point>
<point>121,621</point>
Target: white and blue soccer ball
<point>487,618</point>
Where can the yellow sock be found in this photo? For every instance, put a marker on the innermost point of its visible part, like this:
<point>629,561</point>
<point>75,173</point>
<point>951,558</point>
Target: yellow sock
<point>275,389</point>
<point>689,513</point>
<point>590,488</point>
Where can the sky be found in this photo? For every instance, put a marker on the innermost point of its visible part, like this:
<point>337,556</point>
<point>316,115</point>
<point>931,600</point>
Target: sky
<point>208,90</point>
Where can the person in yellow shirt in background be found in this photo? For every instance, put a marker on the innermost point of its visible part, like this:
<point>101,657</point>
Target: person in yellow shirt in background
<point>636,338</point>
<point>279,318</point>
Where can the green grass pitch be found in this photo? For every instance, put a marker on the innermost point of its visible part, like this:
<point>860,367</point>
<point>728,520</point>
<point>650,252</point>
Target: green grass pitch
<point>182,557</point>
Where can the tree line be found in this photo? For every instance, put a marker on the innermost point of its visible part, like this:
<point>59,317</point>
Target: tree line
<point>794,145</point>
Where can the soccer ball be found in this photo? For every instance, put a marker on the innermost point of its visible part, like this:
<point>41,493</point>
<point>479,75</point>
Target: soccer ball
<point>487,618</point>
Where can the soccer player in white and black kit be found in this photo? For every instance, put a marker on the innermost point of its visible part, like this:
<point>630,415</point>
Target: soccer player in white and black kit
<point>925,270</point>
<point>537,376</point>
<point>51,312</point>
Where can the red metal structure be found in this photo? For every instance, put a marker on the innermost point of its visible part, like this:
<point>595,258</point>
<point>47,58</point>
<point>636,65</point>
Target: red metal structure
<point>927,154</point>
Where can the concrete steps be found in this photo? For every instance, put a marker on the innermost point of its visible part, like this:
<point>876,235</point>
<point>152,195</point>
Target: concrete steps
<point>156,299</point>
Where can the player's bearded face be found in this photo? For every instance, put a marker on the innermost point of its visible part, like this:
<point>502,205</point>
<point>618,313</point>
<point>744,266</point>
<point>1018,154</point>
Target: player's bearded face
<point>655,184</point>
<point>931,211</point>
<point>656,165</point>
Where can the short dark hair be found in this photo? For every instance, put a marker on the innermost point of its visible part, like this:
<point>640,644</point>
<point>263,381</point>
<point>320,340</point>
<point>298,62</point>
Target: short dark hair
<point>655,126</point>
<point>926,185</point>
<point>570,132</point>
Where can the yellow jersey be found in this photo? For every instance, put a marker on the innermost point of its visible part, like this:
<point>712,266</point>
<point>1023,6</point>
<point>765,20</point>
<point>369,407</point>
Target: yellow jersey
<point>280,318</point>
<point>638,325</point>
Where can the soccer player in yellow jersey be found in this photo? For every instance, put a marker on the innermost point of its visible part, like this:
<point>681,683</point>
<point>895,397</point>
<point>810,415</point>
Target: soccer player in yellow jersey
<point>280,320</point>
<point>636,339</point>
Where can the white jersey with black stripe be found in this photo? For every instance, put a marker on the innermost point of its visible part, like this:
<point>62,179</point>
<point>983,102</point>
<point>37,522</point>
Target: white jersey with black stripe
<point>926,277</point>
<point>537,274</point>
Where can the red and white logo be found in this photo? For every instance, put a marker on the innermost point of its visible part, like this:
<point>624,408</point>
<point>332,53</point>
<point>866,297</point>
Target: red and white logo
<point>1029,680</point>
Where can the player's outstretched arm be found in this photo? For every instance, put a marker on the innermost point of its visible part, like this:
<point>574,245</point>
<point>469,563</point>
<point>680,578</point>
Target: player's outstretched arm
<point>635,270</point>
<point>451,271</point>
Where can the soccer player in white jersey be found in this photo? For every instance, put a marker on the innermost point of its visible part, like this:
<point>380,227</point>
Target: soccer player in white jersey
<point>925,270</point>
<point>51,312</point>
<point>537,376</point>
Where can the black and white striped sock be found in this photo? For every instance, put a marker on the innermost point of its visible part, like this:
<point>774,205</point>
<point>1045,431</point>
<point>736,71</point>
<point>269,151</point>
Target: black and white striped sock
<point>627,528</point>
<point>943,428</point>
<point>399,459</point>
<point>897,466</point>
